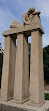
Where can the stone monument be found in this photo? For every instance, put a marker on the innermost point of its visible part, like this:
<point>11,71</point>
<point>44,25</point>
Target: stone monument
<point>15,75</point>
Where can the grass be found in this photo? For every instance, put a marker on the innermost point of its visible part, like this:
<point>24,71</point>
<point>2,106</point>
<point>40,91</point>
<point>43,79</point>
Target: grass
<point>46,109</point>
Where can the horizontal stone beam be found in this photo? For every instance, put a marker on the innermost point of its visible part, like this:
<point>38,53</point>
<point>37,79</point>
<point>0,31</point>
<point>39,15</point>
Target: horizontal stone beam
<point>22,29</point>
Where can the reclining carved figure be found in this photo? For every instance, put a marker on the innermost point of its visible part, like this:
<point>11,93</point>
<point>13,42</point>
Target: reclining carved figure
<point>28,17</point>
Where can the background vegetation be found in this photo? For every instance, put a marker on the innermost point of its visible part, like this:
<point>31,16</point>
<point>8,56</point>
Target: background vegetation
<point>46,63</point>
<point>1,63</point>
<point>46,96</point>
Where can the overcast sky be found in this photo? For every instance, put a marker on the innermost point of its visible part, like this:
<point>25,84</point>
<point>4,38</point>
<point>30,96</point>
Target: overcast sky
<point>14,9</point>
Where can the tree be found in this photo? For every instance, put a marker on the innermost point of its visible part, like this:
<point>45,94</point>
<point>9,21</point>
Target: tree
<point>46,63</point>
<point>1,63</point>
<point>29,47</point>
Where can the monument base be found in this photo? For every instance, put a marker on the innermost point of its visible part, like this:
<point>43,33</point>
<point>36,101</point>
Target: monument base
<point>36,105</point>
<point>20,102</point>
<point>11,106</point>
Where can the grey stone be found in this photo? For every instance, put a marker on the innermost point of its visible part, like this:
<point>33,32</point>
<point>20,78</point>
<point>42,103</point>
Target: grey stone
<point>15,79</point>
<point>4,107</point>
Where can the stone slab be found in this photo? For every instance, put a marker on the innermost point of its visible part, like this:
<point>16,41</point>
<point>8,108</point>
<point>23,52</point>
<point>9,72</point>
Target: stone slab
<point>11,106</point>
<point>23,29</point>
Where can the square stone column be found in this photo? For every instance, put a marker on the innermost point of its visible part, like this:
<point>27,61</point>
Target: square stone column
<point>36,69</point>
<point>21,87</point>
<point>8,74</point>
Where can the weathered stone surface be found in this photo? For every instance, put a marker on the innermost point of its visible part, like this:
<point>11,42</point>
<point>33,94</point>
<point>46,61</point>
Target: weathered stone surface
<point>36,69</point>
<point>15,24</point>
<point>28,17</point>
<point>7,87</point>
<point>31,10</point>
<point>21,87</point>
<point>24,29</point>
<point>4,107</point>
<point>31,22</point>
<point>37,12</point>
<point>32,26</point>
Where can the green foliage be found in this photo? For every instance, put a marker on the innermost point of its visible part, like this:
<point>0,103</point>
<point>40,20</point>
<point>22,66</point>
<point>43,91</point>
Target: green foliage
<point>46,63</point>
<point>47,96</point>
<point>1,63</point>
<point>46,109</point>
<point>29,46</point>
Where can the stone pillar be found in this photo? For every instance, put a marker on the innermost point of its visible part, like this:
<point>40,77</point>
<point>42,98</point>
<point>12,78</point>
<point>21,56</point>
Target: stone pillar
<point>8,74</point>
<point>21,88</point>
<point>36,69</point>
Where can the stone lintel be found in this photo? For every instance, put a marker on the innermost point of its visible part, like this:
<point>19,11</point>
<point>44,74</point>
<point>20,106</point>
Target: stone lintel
<point>27,29</point>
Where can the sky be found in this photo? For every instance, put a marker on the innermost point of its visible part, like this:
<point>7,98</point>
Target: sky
<point>14,9</point>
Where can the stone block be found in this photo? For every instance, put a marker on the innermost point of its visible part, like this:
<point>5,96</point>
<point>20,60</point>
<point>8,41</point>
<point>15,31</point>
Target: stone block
<point>8,74</point>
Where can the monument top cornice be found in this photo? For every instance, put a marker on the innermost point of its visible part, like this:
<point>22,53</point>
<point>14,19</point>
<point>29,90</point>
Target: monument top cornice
<point>31,22</point>
<point>22,29</point>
